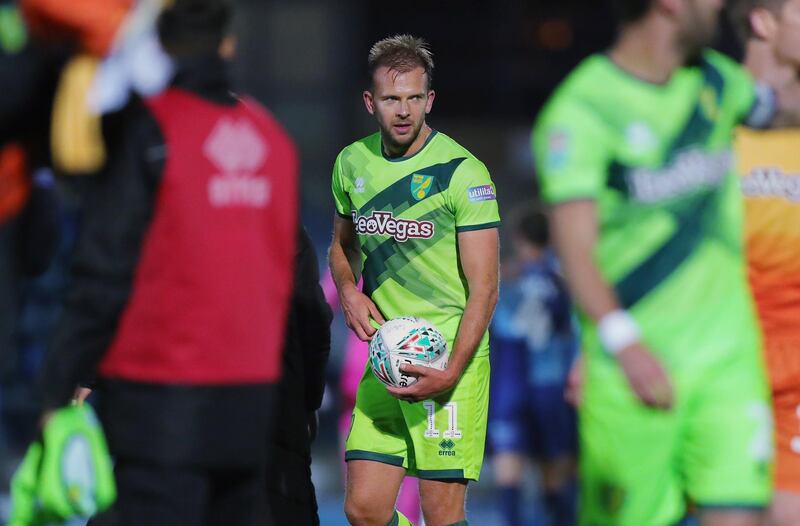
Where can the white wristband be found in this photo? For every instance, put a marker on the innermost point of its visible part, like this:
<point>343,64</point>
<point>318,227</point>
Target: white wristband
<point>617,330</point>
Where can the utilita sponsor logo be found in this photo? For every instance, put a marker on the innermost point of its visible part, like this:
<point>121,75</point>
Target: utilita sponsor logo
<point>481,193</point>
<point>772,182</point>
<point>385,224</point>
<point>238,151</point>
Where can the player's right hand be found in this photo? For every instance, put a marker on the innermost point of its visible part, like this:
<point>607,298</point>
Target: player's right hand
<point>646,376</point>
<point>358,309</point>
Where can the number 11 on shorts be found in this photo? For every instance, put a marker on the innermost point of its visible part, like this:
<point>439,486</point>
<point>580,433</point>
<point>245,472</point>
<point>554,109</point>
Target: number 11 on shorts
<point>452,430</point>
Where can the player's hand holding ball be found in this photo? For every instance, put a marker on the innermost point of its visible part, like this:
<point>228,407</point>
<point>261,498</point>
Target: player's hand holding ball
<point>358,309</point>
<point>430,383</point>
<point>409,355</point>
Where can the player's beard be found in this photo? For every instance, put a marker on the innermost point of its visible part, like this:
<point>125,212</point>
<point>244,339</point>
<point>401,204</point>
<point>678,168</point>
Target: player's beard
<point>402,143</point>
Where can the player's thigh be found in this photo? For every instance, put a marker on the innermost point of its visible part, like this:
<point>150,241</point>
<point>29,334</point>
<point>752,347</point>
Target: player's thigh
<point>448,434</point>
<point>786,412</point>
<point>378,428</point>
<point>552,423</point>
<point>727,449</point>
<point>784,509</point>
<point>731,517</point>
<point>442,501</point>
<point>628,474</point>
<point>372,488</point>
<point>508,438</point>
<point>508,429</point>
<point>509,370</point>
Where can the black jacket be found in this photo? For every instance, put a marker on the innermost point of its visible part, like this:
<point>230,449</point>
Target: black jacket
<point>212,426</point>
<point>308,337</point>
<point>289,486</point>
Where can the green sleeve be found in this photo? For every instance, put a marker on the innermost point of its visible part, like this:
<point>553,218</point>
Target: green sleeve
<point>340,196</point>
<point>740,89</point>
<point>745,94</point>
<point>473,197</point>
<point>571,152</point>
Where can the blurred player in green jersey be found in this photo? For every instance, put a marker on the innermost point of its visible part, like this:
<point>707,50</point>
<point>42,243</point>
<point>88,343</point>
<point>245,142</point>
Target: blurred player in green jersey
<point>417,215</point>
<point>634,155</point>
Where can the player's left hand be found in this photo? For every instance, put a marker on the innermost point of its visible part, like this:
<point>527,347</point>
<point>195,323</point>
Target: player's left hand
<point>430,383</point>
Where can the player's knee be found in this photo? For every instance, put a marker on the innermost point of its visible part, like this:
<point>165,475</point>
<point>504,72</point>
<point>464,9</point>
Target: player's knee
<point>506,479</point>
<point>441,512</point>
<point>557,475</point>
<point>361,512</point>
<point>783,514</point>
<point>508,469</point>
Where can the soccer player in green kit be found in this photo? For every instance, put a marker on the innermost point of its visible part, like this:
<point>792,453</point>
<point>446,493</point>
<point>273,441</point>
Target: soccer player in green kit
<point>417,215</point>
<point>634,156</point>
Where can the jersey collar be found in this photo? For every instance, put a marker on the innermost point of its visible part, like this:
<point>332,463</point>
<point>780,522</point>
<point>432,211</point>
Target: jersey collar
<point>405,158</point>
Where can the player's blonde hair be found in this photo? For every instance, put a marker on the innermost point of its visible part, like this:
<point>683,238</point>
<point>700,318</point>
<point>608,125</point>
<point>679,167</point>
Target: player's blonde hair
<point>401,53</point>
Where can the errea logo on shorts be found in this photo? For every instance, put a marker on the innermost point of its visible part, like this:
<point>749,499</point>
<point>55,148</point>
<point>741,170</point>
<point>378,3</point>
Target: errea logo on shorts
<point>447,448</point>
<point>385,224</point>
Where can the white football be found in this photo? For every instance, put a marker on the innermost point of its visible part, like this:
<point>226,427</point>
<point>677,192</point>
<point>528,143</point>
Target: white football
<point>408,340</point>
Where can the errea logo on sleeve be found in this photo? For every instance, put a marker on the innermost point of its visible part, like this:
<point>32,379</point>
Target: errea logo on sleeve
<point>358,185</point>
<point>481,193</point>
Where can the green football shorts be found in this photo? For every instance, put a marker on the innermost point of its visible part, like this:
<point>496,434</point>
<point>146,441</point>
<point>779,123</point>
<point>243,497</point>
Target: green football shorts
<point>433,439</point>
<point>639,466</point>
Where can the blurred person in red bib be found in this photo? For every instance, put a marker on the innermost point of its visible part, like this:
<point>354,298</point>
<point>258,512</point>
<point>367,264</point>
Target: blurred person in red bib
<point>181,285</point>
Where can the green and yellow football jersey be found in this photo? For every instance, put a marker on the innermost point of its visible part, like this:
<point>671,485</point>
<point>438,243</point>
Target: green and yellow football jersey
<point>407,213</point>
<point>658,161</point>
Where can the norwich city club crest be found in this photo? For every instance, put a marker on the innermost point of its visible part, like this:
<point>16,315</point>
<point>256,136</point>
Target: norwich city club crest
<point>421,186</point>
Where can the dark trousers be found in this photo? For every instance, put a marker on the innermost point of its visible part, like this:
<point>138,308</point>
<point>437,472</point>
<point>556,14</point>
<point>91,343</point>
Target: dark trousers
<point>151,495</point>
<point>289,488</point>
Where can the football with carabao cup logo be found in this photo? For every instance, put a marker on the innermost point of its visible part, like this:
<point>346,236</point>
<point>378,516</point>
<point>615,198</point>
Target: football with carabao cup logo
<point>409,340</point>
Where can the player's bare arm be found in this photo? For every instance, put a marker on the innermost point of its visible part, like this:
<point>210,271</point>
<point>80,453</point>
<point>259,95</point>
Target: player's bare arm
<point>345,262</point>
<point>478,253</point>
<point>574,230</point>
